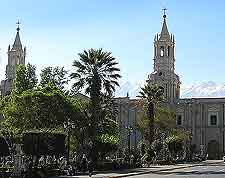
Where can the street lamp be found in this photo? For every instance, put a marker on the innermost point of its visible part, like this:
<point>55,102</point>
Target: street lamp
<point>68,126</point>
<point>164,146</point>
<point>130,130</point>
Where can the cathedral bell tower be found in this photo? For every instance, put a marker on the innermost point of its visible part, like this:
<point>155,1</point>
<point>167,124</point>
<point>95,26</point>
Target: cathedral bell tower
<point>164,64</point>
<point>16,56</point>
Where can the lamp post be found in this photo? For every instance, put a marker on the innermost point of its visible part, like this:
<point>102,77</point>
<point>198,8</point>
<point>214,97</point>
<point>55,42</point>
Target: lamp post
<point>190,124</point>
<point>130,130</point>
<point>164,146</point>
<point>68,126</point>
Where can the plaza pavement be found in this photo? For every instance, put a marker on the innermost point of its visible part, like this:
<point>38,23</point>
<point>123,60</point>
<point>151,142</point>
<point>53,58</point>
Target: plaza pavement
<point>146,171</point>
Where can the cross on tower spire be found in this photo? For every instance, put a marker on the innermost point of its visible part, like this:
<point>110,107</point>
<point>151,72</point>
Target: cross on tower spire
<point>18,25</point>
<point>164,12</point>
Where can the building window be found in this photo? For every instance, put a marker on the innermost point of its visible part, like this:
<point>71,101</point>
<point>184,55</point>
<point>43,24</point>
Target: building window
<point>166,90</point>
<point>213,119</point>
<point>168,51</point>
<point>179,120</point>
<point>162,51</point>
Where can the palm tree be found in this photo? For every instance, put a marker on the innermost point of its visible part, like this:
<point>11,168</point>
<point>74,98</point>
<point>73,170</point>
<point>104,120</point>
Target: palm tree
<point>97,73</point>
<point>151,95</point>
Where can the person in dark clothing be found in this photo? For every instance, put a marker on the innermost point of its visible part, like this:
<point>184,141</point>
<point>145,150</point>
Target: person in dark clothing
<point>90,167</point>
<point>84,163</point>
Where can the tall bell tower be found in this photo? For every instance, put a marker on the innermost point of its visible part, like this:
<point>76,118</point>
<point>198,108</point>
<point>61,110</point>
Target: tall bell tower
<point>16,56</point>
<point>164,64</point>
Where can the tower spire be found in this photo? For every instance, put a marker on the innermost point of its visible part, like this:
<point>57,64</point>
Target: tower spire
<point>164,32</point>
<point>17,43</point>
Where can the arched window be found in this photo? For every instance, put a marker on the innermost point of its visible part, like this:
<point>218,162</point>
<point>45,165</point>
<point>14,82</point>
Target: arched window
<point>168,51</point>
<point>162,51</point>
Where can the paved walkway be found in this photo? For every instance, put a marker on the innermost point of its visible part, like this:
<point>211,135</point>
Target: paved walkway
<point>140,171</point>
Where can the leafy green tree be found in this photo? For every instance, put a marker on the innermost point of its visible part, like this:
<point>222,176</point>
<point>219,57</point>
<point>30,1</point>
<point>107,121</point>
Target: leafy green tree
<point>106,144</point>
<point>165,119</point>
<point>56,76</point>
<point>151,96</point>
<point>109,112</point>
<point>175,141</point>
<point>41,108</point>
<point>26,78</point>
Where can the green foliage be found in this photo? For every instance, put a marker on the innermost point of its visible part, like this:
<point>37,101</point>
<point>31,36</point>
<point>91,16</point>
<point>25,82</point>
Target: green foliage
<point>40,108</point>
<point>175,146</point>
<point>177,135</point>
<point>97,73</point>
<point>165,119</point>
<point>26,78</point>
<point>108,114</point>
<point>157,145</point>
<point>152,93</point>
<point>96,70</point>
<point>106,144</point>
<point>56,76</point>
<point>151,96</point>
<point>46,106</point>
<point>106,138</point>
<point>175,141</point>
<point>150,154</point>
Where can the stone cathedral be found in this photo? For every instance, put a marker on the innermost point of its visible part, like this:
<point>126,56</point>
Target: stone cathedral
<point>16,56</point>
<point>202,117</point>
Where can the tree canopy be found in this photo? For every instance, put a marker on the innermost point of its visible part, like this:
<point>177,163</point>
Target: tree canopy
<point>56,76</point>
<point>26,78</point>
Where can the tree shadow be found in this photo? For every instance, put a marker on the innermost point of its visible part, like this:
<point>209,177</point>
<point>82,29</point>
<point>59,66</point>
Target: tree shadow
<point>186,173</point>
<point>200,173</point>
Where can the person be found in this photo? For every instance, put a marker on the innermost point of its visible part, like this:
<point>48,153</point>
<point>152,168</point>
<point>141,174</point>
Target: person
<point>70,170</point>
<point>90,167</point>
<point>84,163</point>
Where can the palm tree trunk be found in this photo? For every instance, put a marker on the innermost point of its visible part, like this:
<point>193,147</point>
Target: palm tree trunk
<point>151,123</point>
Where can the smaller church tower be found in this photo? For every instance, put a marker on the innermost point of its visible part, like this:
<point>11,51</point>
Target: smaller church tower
<point>16,56</point>
<point>164,64</point>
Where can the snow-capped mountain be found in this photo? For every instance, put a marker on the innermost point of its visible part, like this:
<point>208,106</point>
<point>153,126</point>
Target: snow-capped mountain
<point>204,89</point>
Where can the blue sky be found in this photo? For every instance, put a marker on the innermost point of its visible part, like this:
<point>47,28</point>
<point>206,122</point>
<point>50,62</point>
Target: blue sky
<point>55,31</point>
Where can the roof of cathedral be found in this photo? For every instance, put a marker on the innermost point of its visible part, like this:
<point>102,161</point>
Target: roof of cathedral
<point>17,43</point>
<point>164,33</point>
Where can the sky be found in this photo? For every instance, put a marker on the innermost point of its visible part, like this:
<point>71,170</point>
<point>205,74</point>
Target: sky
<point>54,31</point>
